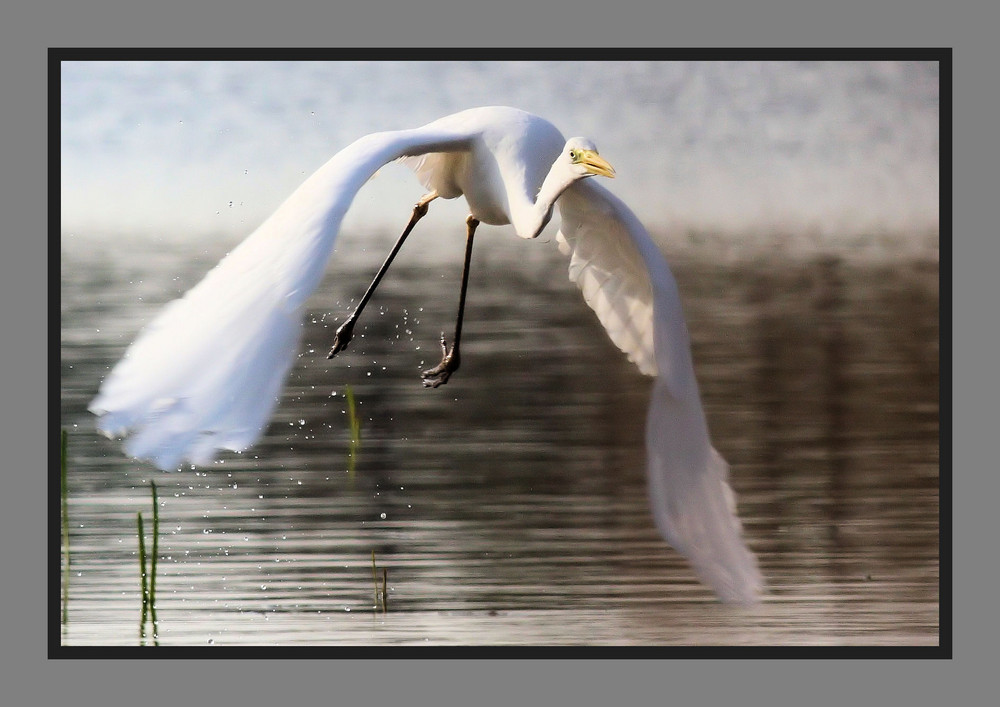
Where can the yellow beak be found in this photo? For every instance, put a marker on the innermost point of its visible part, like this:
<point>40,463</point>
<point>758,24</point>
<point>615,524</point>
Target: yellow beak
<point>596,164</point>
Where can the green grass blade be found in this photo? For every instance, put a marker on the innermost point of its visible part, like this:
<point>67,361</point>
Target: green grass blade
<point>354,425</point>
<point>155,554</point>
<point>142,576</point>
<point>374,580</point>
<point>64,499</point>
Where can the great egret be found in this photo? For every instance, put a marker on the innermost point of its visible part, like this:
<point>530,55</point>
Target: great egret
<point>207,372</point>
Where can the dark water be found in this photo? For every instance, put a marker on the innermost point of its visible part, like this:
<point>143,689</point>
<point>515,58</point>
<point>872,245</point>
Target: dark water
<point>509,506</point>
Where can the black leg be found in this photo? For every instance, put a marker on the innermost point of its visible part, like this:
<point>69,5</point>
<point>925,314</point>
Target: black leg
<point>346,330</point>
<point>450,357</point>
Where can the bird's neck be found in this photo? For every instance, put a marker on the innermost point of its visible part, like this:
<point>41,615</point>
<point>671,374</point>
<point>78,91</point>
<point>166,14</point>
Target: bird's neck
<point>530,217</point>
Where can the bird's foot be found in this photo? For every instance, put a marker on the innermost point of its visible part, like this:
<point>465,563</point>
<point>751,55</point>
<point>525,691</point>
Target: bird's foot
<point>342,338</point>
<point>440,374</point>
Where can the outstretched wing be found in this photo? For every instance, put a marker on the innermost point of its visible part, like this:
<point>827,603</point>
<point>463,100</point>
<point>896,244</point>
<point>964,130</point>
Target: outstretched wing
<point>608,267</point>
<point>207,373</point>
<point>627,282</point>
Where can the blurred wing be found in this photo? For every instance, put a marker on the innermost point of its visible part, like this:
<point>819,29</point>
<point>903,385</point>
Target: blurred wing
<point>207,372</point>
<point>693,504</point>
<point>627,282</point>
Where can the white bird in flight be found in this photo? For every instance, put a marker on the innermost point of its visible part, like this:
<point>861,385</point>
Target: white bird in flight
<point>207,373</point>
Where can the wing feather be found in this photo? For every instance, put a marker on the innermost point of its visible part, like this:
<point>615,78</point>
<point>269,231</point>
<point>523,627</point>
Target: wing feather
<point>207,373</point>
<point>625,279</point>
<point>609,269</point>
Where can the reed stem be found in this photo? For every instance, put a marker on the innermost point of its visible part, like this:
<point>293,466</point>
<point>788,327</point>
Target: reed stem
<point>64,501</point>
<point>155,554</point>
<point>142,576</point>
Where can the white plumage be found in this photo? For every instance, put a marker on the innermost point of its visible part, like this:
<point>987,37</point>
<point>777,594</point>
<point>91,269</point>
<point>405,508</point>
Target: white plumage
<point>207,373</point>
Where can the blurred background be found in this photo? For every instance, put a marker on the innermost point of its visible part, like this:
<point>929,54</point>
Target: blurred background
<point>797,203</point>
<point>828,151</point>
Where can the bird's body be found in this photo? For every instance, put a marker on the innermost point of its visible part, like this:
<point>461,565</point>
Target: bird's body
<point>502,170</point>
<point>207,373</point>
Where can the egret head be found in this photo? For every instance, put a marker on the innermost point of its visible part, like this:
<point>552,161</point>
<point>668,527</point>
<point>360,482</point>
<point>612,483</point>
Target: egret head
<point>583,159</point>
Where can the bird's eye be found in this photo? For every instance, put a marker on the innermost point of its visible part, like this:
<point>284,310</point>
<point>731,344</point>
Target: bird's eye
<point>572,154</point>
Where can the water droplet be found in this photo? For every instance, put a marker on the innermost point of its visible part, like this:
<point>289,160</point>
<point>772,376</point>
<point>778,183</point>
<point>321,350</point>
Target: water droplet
<point>382,516</point>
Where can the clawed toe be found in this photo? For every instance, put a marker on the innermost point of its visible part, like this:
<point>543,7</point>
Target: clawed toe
<point>343,336</point>
<point>439,375</point>
<point>434,377</point>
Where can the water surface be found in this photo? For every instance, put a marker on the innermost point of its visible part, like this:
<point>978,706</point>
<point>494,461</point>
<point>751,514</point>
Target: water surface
<point>509,506</point>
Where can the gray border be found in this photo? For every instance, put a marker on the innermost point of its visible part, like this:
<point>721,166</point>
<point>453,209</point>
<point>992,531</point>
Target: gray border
<point>30,679</point>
